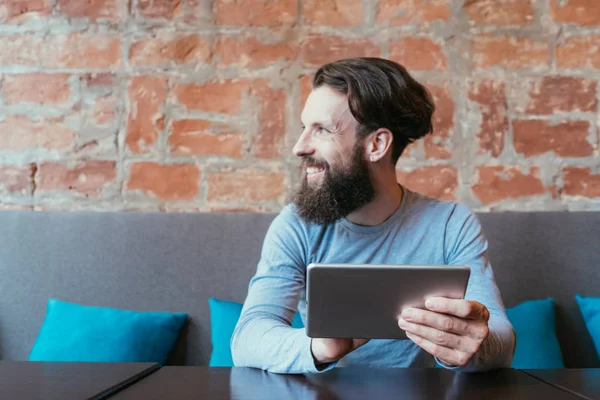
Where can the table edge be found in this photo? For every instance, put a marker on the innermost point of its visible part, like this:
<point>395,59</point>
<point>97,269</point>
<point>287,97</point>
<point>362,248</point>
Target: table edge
<point>120,386</point>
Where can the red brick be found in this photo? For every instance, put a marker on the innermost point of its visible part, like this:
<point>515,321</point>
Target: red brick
<point>561,93</point>
<point>81,51</point>
<point>509,52</point>
<point>101,79</point>
<point>165,9</point>
<point>438,181</point>
<point>245,185</point>
<point>75,50</point>
<point>201,137</point>
<point>181,208</point>
<point>110,10</point>
<point>104,110</point>
<point>168,49</point>
<point>255,12</point>
<point>490,99</point>
<point>197,12</point>
<point>219,97</point>
<point>339,13</point>
<point>418,53</point>
<point>581,182</point>
<point>36,88</point>
<point>321,49</point>
<point>580,12</point>
<point>23,49</point>
<point>412,149</point>
<point>167,182</point>
<point>21,133</point>
<point>87,177</point>
<point>235,210</point>
<point>579,52</point>
<point>496,183</point>
<point>102,98</point>
<point>404,12</point>
<point>18,11</point>
<point>566,139</point>
<point>500,12</point>
<point>305,88</point>
<point>146,116</point>
<point>436,144</point>
<point>271,117</point>
<point>15,207</point>
<point>251,53</point>
<point>16,179</point>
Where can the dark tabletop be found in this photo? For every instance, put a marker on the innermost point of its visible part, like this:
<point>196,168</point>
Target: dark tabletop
<point>49,381</point>
<point>340,383</point>
<point>584,382</point>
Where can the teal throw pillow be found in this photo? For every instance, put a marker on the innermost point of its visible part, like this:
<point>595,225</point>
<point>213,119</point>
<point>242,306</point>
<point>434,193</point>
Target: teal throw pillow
<point>537,344</point>
<point>590,310</point>
<point>73,332</point>
<point>224,315</point>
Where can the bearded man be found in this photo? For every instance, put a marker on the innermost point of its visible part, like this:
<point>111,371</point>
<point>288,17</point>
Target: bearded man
<point>360,116</point>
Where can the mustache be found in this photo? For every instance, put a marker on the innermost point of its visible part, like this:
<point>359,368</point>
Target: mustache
<point>313,162</point>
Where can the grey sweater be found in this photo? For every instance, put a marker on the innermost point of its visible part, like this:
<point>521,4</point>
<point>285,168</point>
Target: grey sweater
<point>421,231</point>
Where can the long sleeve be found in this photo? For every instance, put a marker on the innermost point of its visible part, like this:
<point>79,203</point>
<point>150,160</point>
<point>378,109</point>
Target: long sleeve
<point>263,337</point>
<point>467,245</point>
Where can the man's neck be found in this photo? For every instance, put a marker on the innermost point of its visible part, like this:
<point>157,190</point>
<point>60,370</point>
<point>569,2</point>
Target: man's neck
<point>383,206</point>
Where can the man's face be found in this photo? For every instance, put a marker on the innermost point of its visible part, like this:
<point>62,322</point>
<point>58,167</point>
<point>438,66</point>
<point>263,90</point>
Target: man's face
<point>336,178</point>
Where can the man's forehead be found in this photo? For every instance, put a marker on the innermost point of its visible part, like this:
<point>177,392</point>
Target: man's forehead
<point>325,105</point>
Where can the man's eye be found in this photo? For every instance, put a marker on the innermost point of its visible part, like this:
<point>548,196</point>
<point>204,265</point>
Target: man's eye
<point>322,131</point>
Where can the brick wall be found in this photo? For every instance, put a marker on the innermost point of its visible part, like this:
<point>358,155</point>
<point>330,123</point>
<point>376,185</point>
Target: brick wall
<point>194,104</point>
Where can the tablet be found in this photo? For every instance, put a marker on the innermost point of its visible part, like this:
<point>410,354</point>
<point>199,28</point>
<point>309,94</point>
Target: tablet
<point>364,301</point>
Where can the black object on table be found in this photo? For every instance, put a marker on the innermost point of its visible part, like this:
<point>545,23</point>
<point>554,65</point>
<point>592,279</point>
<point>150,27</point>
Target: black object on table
<point>583,382</point>
<point>340,383</point>
<point>65,380</point>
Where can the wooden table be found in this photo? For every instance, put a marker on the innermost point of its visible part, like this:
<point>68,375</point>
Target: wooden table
<point>583,382</point>
<point>64,381</point>
<point>340,383</point>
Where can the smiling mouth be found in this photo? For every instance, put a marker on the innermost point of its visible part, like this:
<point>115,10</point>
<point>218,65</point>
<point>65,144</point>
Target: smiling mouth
<point>314,172</point>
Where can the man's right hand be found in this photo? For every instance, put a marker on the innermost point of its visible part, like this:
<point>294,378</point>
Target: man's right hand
<point>329,350</point>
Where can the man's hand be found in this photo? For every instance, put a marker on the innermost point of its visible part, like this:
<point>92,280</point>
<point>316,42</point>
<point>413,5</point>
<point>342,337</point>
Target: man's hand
<point>328,350</point>
<point>451,330</point>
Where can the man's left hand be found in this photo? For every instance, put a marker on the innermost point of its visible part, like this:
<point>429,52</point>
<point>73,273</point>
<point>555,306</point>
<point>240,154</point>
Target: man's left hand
<point>451,330</point>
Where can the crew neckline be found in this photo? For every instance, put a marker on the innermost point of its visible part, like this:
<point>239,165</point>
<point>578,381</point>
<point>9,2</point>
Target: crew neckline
<point>377,228</point>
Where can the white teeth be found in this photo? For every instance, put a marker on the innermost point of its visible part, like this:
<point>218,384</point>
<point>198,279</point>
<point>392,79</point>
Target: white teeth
<point>313,170</point>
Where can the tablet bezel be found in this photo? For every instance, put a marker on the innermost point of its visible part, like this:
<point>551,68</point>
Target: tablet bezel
<point>360,303</point>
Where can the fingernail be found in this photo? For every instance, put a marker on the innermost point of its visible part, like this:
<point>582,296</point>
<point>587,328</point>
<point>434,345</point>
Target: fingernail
<point>401,322</point>
<point>407,314</point>
<point>429,303</point>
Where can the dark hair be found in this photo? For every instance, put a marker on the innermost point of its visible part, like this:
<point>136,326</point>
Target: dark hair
<point>381,94</point>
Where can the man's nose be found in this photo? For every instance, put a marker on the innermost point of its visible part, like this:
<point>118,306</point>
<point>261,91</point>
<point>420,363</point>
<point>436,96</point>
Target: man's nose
<point>303,146</point>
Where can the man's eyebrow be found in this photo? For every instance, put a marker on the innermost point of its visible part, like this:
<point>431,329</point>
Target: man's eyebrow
<point>327,125</point>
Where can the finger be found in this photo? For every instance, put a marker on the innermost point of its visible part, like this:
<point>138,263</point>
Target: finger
<point>436,320</point>
<point>444,354</point>
<point>446,339</point>
<point>458,307</point>
<point>356,343</point>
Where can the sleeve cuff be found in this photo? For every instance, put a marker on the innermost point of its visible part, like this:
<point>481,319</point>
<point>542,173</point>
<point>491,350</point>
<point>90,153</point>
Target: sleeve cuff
<point>311,362</point>
<point>444,365</point>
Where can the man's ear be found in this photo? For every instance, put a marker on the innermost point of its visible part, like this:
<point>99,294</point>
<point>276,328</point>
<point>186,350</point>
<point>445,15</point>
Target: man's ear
<point>378,144</point>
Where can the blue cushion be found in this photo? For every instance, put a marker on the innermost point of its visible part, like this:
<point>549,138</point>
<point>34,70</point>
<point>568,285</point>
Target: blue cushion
<point>73,332</point>
<point>590,310</point>
<point>224,315</point>
<point>537,344</point>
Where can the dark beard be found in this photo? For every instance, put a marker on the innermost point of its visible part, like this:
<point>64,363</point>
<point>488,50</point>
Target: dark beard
<point>341,192</point>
